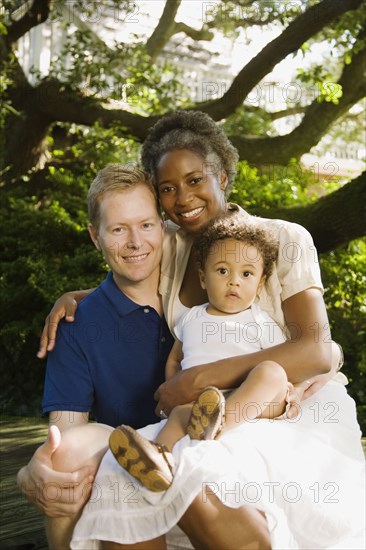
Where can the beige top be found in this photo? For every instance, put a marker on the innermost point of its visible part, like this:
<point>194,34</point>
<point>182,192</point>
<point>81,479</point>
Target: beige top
<point>296,269</point>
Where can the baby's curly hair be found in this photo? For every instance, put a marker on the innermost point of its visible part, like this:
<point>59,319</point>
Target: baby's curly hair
<point>192,130</point>
<point>235,226</point>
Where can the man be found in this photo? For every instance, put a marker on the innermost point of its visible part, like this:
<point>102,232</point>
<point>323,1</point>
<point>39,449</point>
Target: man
<point>112,359</point>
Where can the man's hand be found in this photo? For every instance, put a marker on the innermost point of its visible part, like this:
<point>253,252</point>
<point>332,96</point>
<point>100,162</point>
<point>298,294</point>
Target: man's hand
<point>54,493</point>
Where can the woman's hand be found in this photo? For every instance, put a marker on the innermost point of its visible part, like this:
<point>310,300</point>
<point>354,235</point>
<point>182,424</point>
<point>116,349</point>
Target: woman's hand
<point>315,383</point>
<point>303,390</point>
<point>182,388</point>
<point>63,307</point>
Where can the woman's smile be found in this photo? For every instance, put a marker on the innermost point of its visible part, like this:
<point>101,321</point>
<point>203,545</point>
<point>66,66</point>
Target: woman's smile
<point>192,213</point>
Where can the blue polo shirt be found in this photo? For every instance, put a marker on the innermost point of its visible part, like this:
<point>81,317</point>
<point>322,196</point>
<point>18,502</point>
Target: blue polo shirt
<point>110,360</point>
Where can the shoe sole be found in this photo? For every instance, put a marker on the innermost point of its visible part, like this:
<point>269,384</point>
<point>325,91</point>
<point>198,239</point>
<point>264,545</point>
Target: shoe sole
<point>139,458</point>
<point>208,415</point>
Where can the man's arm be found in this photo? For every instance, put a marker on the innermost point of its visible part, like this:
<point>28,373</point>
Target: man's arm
<point>308,353</point>
<point>56,493</point>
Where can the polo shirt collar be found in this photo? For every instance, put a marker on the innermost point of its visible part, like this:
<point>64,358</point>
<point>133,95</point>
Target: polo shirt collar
<point>121,303</point>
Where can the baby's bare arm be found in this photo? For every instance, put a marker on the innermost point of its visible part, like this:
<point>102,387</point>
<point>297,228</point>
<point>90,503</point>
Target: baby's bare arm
<point>174,360</point>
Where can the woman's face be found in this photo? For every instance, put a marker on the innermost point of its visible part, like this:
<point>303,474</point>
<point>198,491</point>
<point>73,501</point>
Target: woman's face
<point>191,190</point>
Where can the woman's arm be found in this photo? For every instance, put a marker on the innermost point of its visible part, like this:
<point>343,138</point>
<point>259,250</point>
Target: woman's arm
<point>63,307</point>
<point>174,360</point>
<point>308,353</point>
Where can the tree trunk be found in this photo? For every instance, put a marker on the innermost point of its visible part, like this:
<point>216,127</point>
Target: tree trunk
<point>25,135</point>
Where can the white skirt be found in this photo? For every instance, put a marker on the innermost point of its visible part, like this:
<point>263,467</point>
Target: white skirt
<point>307,475</point>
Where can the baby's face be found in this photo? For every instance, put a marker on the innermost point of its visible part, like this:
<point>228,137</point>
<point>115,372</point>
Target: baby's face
<point>232,276</point>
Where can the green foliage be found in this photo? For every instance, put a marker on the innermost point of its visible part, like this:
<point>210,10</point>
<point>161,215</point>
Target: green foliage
<point>122,76</point>
<point>344,278</point>
<point>342,34</point>
<point>6,107</point>
<point>323,80</point>
<point>249,121</point>
<point>91,147</point>
<point>46,251</point>
<point>271,186</point>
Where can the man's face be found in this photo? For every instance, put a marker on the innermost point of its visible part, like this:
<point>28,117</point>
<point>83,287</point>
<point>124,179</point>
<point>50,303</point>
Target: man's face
<point>130,234</point>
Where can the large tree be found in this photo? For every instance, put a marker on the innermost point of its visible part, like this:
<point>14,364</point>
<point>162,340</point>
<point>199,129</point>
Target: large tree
<point>33,109</point>
<point>96,104</point>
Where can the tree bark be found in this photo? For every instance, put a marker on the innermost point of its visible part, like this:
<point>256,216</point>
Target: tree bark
<point>333,220</point>
<point>24,147</point>
<point>37,13</point>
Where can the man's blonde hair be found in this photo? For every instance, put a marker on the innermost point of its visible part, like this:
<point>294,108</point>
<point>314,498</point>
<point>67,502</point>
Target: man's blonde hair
<point>117,178</point>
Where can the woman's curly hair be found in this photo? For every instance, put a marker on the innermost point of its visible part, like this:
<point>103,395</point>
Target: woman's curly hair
<point>192,130</point>
<point>235,226</point>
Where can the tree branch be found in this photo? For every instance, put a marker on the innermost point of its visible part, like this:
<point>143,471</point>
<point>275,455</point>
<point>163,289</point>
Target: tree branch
<point>315,124</point>
<point>52,101</point>
<point>36,15</point>
<point>168,27</point>
<point>164,29</point>
<point>291,111</point>
<point>74,107</point>
<point>197,34</point>
<point>333,220</point>
<point>300,30</point>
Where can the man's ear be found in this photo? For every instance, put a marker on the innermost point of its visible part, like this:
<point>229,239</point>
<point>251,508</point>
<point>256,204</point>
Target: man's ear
<point>94,236</point>
<point>223,180</point>
<point>202,277</point>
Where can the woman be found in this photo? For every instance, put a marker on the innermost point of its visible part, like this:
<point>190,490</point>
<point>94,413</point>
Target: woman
<point>302,476</point>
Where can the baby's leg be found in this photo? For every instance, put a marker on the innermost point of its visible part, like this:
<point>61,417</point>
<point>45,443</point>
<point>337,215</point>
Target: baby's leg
<point>176,426</point>
<point>261,395</point>
<point>80,446</point>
